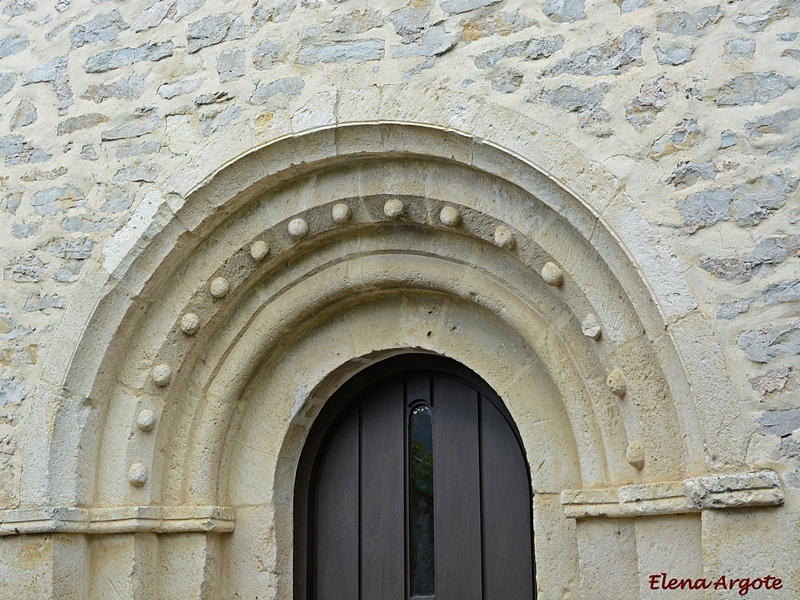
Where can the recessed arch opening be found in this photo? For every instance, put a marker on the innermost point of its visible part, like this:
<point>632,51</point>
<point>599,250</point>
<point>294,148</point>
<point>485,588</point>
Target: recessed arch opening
<point>357,478</point>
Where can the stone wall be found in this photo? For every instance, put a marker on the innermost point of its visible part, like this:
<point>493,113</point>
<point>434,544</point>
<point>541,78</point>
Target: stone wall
<point>115,110</point>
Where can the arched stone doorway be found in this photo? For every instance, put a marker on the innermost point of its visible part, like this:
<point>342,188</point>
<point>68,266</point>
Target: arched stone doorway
<point>221,321</point>
<point>413,484</point>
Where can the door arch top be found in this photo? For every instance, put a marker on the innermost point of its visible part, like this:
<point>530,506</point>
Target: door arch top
<point>169,228</point>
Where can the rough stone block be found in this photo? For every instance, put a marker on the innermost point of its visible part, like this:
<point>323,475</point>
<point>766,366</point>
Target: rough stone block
<point>342,52</point>
<point>13,44</point>
<point>115,59</point>
<point>753,88</point>
<point>102,28</point>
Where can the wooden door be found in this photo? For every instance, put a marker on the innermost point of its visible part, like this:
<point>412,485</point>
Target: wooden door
<point>419,490</point>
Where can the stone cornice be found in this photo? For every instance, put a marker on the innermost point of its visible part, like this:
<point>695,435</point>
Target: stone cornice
<point>115,520</point>
<point>736,490</point>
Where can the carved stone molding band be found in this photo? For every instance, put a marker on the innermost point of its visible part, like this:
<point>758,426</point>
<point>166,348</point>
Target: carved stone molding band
<point>117,520</point>
<point>738,490</point>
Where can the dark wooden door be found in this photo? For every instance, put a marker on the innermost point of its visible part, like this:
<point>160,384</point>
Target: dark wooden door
<point>419,490</point>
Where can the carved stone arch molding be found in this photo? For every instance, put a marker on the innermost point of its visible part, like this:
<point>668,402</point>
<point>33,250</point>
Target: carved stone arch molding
<point>223,318</point>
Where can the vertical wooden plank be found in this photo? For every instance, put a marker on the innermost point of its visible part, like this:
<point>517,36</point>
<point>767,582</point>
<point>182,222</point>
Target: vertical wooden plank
<point>383,495</point>
<point>506,511</point>
<point>336,523</point>
<point>418,387</point>
<point>456,491</point>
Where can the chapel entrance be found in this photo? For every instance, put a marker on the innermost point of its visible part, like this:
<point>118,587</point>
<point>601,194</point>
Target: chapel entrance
<point>414,485</point>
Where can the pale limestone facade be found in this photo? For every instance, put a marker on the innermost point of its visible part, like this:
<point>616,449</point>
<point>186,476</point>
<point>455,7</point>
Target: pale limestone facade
<point>215,213</point>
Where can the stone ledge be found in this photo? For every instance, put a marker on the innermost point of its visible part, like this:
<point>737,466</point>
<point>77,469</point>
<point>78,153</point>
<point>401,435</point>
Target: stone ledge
<point>738,490</point>
<point>115,520</point>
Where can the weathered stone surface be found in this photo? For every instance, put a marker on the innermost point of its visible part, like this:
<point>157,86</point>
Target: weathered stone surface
<point>529,49</point>
<point>610,58</point>
<point>52,71</point>
<point>89,153</point>
<point>43,302</point>
<point>576,99</point>
<point>182,133</point>
<point>792,53</point>
<point>46,72</point>
<point>13,44</point>
<point>737,49</point>
<point>26,268</point>
<point>683,23</point>
<point>212,121</point>
<point>267,53</point>
<point>268,11</point>
<point>124,88</point>
<point>140,149</point>
<point>72,248</point>
<point>652,99</point>
<point>212,30</point>
<point>117,203</point>
<point>24,115</point>
<point>115,59</point>
<point>12,391</point>
<point>780,422</point>
<point>179,88</point>
<point>230,65</point>
<point>502,24</point>
<point>782,122</point>
<point>153,15</point>
<point>288,86</point>
<point>727,139</point>
<point>772,381</point>
<point>357,21</point>
<point>138,127</point>
<point>768,251</point>
<point>689,173</point>
<point>747,204</point>
<point>7,80</point>
<point>681,137</point>
<point>507,82</point>
<point>729,310</point>
<point>145,173</point>
<point>564,11</point>
<point>102,28</point>
<point>24,230</point>
<point>16,8</point>
<point>409,22</point>
<point>56,200</point>
<point>342,52</point>
<point>17,150</point>
<point>11,144</point>
<point>766,344</point>
<point>169,10</point>
<point>787,291</point>
<point>461,6</point>
<point>786,152</point>
<point>752,88</point>
<point>83,122</point>
<point>673,55</point>
<point>758,21</point>
<point>434,42</point>
<point>215,98</point>
<point>84,225</point>
<point>629,6</point>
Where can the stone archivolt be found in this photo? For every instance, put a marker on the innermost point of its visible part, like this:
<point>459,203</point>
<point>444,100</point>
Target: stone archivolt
<point>311,298</point>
